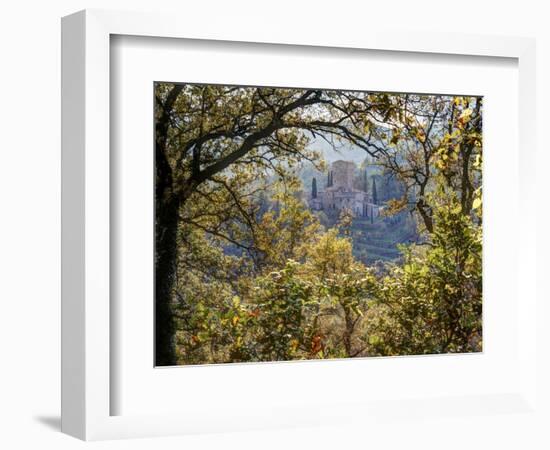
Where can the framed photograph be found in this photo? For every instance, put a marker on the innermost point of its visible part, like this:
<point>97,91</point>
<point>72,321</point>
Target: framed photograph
<point>266,230</point>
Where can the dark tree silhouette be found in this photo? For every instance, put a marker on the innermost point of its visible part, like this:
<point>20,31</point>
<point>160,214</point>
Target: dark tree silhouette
<point>314,188</point>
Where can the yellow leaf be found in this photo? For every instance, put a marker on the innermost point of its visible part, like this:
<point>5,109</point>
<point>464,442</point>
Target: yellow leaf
<point>466,114</point>
<point>477,203</point>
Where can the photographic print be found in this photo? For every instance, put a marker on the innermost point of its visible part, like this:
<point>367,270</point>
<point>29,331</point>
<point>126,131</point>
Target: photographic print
<point>304,223</point>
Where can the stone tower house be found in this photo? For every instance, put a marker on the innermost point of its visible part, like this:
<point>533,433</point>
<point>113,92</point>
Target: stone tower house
<point>341,193</point>
<point>342,173</point>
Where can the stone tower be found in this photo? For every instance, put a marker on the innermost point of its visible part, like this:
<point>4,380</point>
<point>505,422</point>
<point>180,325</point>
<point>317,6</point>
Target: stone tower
<point>343,172</point>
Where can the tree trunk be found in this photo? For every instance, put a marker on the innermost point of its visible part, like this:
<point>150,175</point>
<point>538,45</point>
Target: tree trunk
<point>166,228</point>
<point>165,274</point>
<point>348,331</point>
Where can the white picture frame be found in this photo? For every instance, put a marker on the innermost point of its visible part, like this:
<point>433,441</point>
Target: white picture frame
<point>86,248</point>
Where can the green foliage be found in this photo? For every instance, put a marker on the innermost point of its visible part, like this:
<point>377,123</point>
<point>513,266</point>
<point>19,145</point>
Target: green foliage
<point>432,303</point>
<point>285,301</point>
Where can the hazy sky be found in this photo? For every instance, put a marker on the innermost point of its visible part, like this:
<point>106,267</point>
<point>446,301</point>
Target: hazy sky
<point>343,151</point>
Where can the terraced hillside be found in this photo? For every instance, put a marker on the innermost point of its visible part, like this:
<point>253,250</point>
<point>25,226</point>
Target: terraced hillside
<point>378,241</point>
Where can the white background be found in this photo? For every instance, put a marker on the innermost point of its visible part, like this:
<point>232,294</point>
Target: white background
<point>30,187</point>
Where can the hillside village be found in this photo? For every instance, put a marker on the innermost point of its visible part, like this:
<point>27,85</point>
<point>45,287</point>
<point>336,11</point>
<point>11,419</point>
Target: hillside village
<point>375,235</point>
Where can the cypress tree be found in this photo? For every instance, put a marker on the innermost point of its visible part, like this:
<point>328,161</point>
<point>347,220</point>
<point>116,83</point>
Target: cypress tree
<point>314,188</point>
<point>374,193</point>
